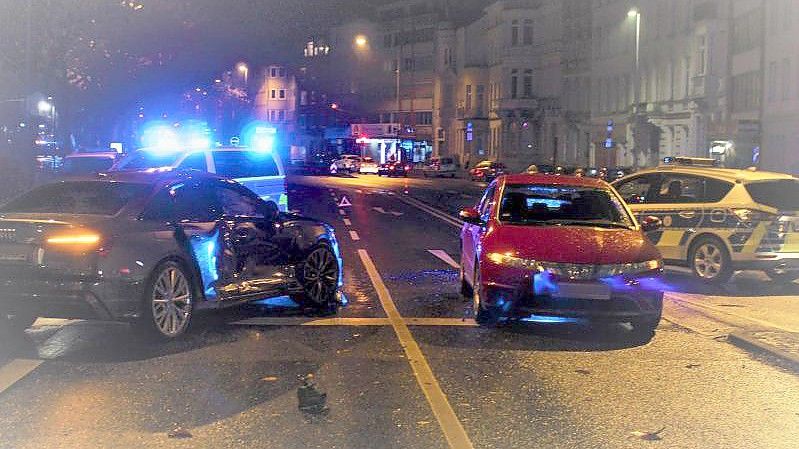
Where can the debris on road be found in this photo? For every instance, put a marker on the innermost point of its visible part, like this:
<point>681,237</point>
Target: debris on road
<point>582,371</point>
<point>310,399</point>
<point>649,436</point>
<point>179,433</point>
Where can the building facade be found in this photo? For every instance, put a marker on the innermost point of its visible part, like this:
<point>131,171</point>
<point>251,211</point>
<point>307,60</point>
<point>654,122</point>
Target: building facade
<point>276,100</point>
<point>780,119</point>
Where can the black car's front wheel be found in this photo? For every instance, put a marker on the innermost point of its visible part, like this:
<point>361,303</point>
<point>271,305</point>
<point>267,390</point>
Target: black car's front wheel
<point>168,302</point>
<point>318,275</point>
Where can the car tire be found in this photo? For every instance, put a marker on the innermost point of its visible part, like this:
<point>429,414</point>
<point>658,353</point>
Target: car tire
<point>484,316</point>
<point>466,289</point>
<point>710,261</point>
<point>318,275</point>
<point>168,301</point>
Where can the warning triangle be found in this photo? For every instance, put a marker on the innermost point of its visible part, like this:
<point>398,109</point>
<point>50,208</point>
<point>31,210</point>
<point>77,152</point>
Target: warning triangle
<point>344,202</point>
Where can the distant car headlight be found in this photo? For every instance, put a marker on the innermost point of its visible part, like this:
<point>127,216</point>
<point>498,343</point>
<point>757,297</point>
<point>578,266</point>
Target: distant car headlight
<point>576,271</point>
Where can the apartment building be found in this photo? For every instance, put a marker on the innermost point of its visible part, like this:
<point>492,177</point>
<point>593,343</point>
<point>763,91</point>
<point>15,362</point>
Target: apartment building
<point>276,100</point>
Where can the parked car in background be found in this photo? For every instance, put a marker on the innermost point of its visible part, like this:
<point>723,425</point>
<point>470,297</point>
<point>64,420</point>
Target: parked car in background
<point>394,169</point>
<point>260,171</point>
<point>88,163</point>
<point>368,166</point>
<point>487,170</point>
<point>719,220</point>
<point>199,242</point>
<point>443,166</point>
<point>545,247</point>
<point>348,163</point>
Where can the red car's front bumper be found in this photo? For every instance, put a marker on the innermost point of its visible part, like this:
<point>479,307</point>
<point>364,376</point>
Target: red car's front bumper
<point>519,294</point>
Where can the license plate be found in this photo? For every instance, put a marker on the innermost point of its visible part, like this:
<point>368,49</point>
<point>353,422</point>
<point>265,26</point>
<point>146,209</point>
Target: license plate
<point>575,290</point>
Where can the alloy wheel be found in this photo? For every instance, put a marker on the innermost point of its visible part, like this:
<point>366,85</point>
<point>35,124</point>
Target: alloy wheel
<point>708,261</point>
<point>320,276</point>
<point>171,301</point>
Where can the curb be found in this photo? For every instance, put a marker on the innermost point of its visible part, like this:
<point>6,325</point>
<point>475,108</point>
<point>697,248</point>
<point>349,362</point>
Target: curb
<point>748,342</point>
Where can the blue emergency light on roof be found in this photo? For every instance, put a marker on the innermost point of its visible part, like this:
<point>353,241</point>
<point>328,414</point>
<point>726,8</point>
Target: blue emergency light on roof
<point>260,137</point>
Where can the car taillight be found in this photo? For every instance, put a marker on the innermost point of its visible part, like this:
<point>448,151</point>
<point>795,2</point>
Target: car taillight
<point>79,242</point>
<point>751,217</point>
<point>407,168</point>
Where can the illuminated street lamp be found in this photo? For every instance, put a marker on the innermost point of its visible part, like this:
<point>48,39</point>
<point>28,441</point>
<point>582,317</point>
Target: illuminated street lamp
<point>361,41</point>
<point>244,70</point>
<point>44,107</point>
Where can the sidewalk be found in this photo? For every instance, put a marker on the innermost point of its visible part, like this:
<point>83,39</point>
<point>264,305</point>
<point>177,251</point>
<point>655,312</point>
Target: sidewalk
<point>758,324</point>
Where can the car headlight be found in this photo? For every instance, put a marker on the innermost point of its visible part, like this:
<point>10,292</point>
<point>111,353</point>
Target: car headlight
<point>576,271</point>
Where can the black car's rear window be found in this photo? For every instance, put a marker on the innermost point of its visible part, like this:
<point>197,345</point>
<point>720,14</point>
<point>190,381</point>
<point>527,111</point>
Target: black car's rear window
<point>782,194</point>
<point>244,164</point>
<point>78,197</point>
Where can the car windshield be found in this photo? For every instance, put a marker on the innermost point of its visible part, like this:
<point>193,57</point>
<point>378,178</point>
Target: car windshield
<point>562,205</point>
<point>79,198</point>
<point>781,194</point>
<point>143,160</point>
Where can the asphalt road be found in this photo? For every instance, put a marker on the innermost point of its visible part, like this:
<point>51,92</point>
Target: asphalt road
<point>403,366</point>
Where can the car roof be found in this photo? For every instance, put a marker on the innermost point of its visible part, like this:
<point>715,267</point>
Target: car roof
<point>725,174</point>
<point>103,155</point>
<point>541,178</point>
<point>157,178</point>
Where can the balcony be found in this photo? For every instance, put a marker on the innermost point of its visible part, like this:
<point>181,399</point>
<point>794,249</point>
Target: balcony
<point>514,104</point>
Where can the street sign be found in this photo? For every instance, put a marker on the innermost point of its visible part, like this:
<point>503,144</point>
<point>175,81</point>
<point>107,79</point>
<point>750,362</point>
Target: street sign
<point>235,140</point>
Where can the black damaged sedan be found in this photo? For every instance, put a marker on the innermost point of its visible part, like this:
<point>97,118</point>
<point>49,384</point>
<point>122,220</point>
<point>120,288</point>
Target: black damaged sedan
<point>154,249</point>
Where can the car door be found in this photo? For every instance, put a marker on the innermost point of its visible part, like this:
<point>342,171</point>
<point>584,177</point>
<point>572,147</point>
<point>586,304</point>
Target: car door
<point>189,212</point>
<point>255,245</point>
<point>260,172</point>
<point>640,192</point>
<point>471,235</point>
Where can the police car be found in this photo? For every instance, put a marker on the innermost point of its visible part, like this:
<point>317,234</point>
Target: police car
<point>718,220</point>
<point>260,171</point>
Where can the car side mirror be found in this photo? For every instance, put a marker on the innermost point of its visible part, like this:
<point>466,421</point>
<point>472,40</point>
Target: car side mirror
<point>651,224</point>
<point>270,211</point>
<point>471,215</point>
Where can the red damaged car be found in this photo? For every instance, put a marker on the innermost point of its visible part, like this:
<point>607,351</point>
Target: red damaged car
<point>551,249</point>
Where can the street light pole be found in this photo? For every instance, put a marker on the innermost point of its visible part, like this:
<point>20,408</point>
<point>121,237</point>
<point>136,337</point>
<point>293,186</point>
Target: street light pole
<point>636,14</point>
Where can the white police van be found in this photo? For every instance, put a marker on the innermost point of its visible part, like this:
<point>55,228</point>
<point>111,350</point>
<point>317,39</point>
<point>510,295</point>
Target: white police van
<point>718,220</point>
<point>260,171</point>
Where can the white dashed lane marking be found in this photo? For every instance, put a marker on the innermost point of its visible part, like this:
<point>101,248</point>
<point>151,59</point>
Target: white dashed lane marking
<point>441,254</point>
<point>354,236</point>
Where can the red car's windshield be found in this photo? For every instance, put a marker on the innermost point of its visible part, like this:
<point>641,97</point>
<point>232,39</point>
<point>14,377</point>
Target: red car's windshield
<point>562,205</point>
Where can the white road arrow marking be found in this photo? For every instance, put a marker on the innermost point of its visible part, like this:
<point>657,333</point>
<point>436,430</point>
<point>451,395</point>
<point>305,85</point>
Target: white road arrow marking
<point>390,212</point>
<point>441,254</point>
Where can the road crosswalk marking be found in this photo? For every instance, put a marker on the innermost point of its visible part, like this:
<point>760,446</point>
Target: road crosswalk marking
<point>15,370</point>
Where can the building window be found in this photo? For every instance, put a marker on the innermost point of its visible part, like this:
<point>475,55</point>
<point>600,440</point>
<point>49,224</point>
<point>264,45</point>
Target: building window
<point>514,84</point>
<point>468,97</point>
<point>387,41</point>
<point>528,84</point>
<point>527,36</point>
<point>271,116</point>
<point>273,72</point>
<point>747,31</point>
<point>480,99</point>
<point>281,116</point>
<point>746,92</point>
<point>701,55</point>
<point>408,64</point>
<point>514,33</point>
<point>424,118</point>
<point>282,94</point>
<point>281,72</point>
<point>273,94</point>
<point>303,98</point>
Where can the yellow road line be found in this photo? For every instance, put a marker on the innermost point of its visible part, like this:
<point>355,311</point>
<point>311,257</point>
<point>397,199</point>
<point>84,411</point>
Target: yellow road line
<point>453,429</point>
<point>302,321</point>
<point>15,370</point>
<point>456,322</point>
